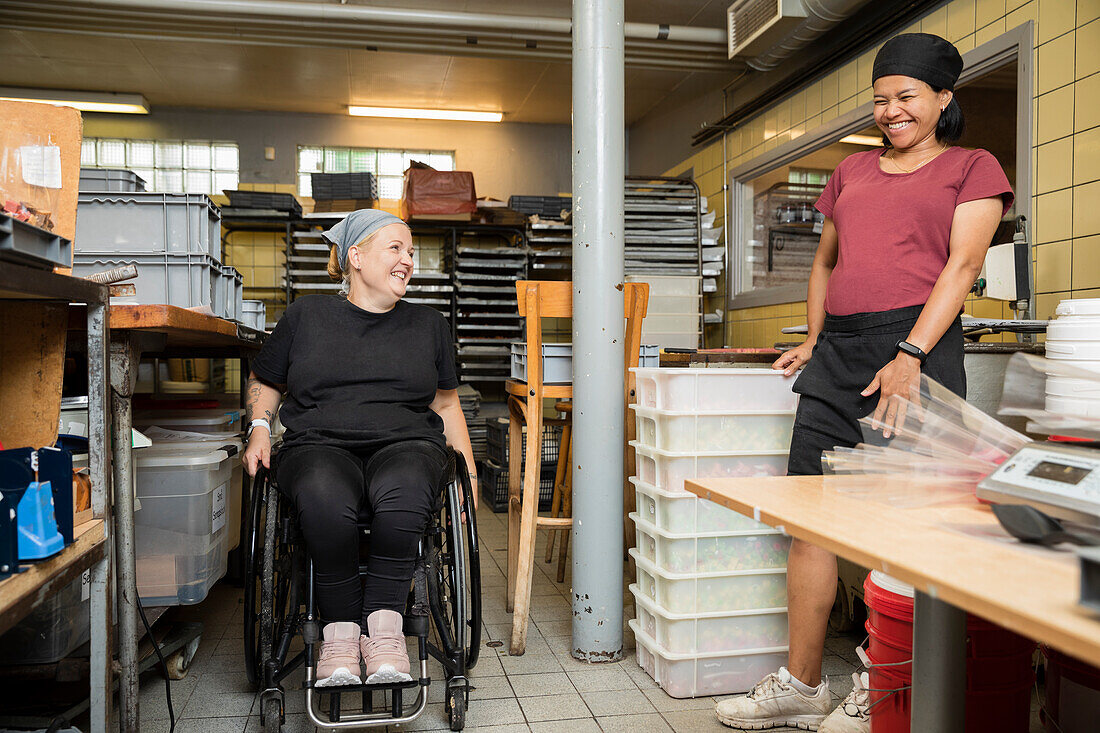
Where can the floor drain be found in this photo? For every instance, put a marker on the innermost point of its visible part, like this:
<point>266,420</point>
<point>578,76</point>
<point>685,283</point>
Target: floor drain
<point>494,644</point>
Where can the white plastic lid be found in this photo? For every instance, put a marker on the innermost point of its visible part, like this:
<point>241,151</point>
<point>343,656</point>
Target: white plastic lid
<point>658,610</point>
<point>209,416</point>
<point>1078,307</point>
<point>649,450</point>
<point>884,581</point>
<point>653,529</point>
<point>162,456</point>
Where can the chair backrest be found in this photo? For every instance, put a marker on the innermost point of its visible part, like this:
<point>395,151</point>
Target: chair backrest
<point>538,299</point>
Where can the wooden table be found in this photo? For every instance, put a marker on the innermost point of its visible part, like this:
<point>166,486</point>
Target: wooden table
<point>941,552</point>
<point>161,330</point>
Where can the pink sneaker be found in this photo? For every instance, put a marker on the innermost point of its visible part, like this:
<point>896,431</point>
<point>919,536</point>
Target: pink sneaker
<point>339,663</point>
<point>384,651</point>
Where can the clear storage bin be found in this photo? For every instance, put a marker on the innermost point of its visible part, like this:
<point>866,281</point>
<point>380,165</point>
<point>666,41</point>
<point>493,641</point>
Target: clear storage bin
<point>181,528</point>
<point>720,631</point>
<point>712,551</point>
<point>672,322</point>
<point>204,420</point>
<point>713,431</point>
<point>667,470</point>
<point>703,674</point>
<point>52,631</point>
<point>726,390</point>
<point>738,590</point>
<point>686,512</point>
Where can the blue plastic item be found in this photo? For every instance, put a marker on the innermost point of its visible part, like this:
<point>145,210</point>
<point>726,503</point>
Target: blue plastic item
<point>38,535</point>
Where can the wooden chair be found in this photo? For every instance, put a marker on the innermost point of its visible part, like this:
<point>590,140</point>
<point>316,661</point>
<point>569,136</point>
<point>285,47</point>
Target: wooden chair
<point>538,300</point>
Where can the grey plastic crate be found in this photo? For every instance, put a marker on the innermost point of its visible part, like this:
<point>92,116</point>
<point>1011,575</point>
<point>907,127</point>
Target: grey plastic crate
<point>31,245</point>
<point>184,280</point>
<point>110,179</point>
<point>177,223</point>
<point>557,361</point>
<point>228,292</point>
<point>254,314</point>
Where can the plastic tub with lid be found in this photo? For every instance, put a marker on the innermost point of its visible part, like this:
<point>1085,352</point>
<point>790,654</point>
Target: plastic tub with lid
<point>715,631</point>
<point>668,470</point>
<point>736,590</point>
<point>203,420</point>
<point>181,528</point>
<point>680,511</point>
<point>701,674</point>
<point>682,431</point>
<point>716,389</point>
<point>711,552</point>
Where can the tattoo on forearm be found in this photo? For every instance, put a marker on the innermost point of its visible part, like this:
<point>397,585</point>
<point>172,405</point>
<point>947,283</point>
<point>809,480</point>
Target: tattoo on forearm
<point>255,391</point>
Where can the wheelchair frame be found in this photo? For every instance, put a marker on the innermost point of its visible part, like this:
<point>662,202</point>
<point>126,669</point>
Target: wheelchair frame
<point>446,594</point>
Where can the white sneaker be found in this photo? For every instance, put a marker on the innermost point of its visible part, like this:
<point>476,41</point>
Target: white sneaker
<point>775,702</point>
<point>852,715</point>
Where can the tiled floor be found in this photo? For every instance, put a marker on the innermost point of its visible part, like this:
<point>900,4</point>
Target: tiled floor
<point>543,690</point>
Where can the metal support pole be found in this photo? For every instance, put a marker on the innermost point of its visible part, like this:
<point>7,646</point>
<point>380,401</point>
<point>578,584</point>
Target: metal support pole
<point>124,360</point>
<point>939,666</point>
<point>598,172</point>
<point>99,462</point>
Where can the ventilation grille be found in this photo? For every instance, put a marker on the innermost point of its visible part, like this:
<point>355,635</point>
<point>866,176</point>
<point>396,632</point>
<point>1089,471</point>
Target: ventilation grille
<point>754,25</point>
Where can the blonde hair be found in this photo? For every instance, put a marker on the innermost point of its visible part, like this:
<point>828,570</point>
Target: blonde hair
<point>343,276</point>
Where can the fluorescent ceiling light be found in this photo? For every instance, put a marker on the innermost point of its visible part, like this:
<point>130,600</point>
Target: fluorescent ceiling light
<point>868,140</point>
<point>133,104</point>
<point>409,113</point>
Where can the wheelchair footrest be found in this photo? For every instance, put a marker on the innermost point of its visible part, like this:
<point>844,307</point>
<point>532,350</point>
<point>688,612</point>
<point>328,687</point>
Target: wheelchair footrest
<point>378,686</point>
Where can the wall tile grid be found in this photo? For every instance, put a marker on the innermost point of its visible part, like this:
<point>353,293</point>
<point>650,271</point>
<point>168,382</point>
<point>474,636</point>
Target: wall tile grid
<point>1066,135</point>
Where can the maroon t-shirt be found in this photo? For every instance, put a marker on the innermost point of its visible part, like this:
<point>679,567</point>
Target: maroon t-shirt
<point>895,229</point>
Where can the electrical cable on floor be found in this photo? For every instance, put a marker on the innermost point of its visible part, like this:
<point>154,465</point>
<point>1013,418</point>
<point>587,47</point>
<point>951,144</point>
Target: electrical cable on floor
<point>163,667</point>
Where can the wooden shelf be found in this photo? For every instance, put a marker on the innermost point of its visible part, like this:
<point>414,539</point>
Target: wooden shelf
<point>19,593</point>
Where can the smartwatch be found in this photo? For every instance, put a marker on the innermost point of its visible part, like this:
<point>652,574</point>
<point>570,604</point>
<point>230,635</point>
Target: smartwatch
<point>258,421</point>
<point>907,348</point>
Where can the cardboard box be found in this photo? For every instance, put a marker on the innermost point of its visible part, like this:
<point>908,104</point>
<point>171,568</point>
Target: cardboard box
<point>40,160</point>
<point>427,192</point>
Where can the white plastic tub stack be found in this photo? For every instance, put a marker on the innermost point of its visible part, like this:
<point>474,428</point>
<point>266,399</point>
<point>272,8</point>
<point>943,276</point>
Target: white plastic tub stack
<point>1073,338</point>
<point>711,593</point>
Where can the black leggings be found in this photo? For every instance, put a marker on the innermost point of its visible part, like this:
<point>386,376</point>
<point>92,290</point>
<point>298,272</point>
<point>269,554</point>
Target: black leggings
<point>397,486</point>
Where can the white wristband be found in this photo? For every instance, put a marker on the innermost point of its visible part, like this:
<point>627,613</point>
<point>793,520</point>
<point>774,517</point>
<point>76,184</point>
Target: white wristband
<point>259,421</point>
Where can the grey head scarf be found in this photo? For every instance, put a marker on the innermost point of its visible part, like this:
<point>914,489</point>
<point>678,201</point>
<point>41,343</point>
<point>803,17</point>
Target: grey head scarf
<point>354,228</point>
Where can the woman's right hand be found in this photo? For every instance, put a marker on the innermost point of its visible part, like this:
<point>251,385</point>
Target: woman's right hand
<point>793,360</point>
<point>257,452</point>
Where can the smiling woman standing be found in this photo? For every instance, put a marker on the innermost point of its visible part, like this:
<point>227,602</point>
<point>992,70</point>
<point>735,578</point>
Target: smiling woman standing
<point>905,235</point>
<point>371,403</point>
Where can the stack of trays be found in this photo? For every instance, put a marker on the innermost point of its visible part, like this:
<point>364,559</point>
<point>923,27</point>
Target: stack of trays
<point>711,594</point>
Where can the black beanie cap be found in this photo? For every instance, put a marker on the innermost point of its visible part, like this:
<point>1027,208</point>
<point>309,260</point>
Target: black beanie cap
<point>923,56</point>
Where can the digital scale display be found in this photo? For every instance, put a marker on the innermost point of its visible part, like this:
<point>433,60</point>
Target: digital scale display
<point>1059,472</point>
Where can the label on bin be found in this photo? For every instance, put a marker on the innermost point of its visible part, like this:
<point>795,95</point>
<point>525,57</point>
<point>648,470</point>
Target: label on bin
<point>86,585</point>
<point>217,514</point>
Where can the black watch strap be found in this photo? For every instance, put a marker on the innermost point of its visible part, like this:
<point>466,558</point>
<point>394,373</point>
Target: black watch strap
<point>907,348</point>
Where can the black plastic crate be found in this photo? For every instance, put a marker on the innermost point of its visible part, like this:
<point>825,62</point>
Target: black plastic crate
<point>496,442</point>
<point>264,200</point>
<point>327,186</point>
<point>493,480</point>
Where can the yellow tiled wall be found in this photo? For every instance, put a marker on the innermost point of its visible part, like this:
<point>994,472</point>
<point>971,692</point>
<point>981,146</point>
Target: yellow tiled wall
<point>1066,135</point>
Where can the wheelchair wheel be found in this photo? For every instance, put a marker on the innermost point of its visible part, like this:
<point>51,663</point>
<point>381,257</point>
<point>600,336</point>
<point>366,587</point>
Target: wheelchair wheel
<point>254,561</point>
<point>455,577</point>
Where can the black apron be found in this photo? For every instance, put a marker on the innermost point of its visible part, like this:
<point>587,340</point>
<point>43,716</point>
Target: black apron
<point>849,352</point>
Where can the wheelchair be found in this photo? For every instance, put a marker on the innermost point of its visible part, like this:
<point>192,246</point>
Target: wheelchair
<point>279,604</point>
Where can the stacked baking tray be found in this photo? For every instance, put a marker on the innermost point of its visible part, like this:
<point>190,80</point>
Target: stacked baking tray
<point>486,314</point>
<point>710,596</point>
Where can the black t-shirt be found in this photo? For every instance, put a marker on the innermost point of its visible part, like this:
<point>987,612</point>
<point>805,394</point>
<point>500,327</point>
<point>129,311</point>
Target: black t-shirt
<point>355,379</point>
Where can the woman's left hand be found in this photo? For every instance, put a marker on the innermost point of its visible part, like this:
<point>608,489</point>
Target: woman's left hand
<point>894,383</point>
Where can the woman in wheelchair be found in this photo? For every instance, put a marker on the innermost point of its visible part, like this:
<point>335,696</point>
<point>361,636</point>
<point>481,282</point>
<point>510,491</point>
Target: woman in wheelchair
<point>369,402</point>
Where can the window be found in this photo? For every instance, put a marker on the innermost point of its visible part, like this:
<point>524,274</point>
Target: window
<point>168,166</point>
<point>388,165</point>
<point>809,176</point>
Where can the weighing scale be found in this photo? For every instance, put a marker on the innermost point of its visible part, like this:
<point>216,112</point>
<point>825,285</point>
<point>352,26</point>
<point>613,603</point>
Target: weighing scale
<point>1060,480</point>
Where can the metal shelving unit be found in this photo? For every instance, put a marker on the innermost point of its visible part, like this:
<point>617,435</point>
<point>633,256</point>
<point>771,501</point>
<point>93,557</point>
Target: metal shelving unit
<point>487,319</point>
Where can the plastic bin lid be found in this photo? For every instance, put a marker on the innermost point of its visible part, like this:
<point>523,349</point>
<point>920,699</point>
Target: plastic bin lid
<point>652,569</point>
<point>1078,307</point>
<point>205,416</point>
<point>649,450</point>
<point>884,581</point>
<point>167,456</point>
<point>648,488</point>
<point>655,530</point>
<point>652,645</point>
<point>658,412</point>
<point>657,609</point>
